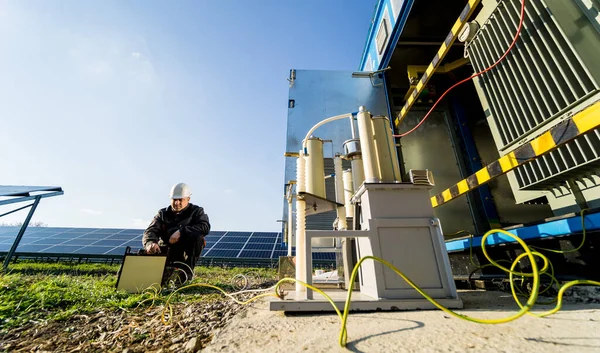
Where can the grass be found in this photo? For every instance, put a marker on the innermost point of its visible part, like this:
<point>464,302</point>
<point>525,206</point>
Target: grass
<point>35,292</point>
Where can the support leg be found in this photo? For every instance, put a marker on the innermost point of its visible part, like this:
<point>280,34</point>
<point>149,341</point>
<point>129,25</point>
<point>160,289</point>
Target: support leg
<point>12,250</point>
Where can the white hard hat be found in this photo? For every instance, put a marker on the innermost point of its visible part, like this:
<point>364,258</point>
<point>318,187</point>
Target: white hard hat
<point>180,191</point>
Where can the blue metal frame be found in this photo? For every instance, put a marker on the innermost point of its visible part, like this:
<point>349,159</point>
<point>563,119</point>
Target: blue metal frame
<point>22,194</point>
<point>27,198</point>
<point>545,230</point>
<point>13,248</point>
<point>474,164</point>
<point>397,28</point>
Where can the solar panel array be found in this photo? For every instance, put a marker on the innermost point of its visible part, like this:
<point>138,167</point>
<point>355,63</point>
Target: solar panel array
<point>112,242</point>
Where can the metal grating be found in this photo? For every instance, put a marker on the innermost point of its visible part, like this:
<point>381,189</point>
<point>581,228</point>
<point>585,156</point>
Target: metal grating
<point>539,79</point>
<point>551,169</point>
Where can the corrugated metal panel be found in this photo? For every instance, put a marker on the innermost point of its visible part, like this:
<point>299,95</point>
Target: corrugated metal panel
<point>540,78</point>
<point>540,81</point>
<point>576,158</point>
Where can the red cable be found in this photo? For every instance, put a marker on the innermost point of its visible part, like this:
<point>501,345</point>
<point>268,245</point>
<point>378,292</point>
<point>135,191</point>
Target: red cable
<point>474,75</point>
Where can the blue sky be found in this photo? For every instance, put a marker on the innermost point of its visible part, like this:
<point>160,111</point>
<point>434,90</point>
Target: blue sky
<point>115,101</point>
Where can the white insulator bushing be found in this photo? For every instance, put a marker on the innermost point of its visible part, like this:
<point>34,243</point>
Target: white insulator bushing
<point>358,173</point>
<point>339,192</point>
<point>348,192</point>
<point>367,145</point>
<point>387,160</point>
<point>315,167</point>
<point>300,174</point>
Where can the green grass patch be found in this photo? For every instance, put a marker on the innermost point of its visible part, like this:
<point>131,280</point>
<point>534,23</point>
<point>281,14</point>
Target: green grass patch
<point>57,291</point>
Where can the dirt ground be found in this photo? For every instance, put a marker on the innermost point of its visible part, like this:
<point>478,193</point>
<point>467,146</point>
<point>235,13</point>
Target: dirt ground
<point>137,330</point>
<point>576,328</point>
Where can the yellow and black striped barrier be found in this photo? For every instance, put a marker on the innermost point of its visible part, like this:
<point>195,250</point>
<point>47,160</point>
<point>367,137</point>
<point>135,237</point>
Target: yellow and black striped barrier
<point>567,130</point>
<point>437,59</point>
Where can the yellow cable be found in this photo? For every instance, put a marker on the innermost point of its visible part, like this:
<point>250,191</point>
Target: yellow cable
<point>457,233</point>
<point>572,250</point>
<point>168,305</point>
<point>560,292</point>
<point>524,309</point>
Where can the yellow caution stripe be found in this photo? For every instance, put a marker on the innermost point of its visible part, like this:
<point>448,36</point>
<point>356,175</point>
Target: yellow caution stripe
<point>438,58</point>
<point>582,122</point>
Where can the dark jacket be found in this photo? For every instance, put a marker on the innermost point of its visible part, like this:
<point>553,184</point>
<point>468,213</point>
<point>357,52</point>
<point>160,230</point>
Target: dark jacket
<point>192,223</point>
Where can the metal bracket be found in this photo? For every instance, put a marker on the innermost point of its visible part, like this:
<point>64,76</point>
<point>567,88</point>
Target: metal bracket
<point>415,70</point>
<point>370,75</point>
<point>292,77</point>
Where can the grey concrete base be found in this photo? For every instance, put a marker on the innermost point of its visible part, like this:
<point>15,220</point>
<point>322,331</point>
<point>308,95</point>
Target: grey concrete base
<point>293,302</point>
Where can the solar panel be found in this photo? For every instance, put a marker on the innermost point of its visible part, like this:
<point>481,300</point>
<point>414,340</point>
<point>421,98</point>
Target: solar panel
<point>63,249</point>
<point>106,242</point>
<point>323,256</point>
<point>236,239</point>
<point>265,234</point>
<point>259,246</point>
<point>262,240</point>
<point>281,246</point>
<point>257,254</point>
<point>57,241</point>
<point>31,248</point>
<point>228,245</point>
<point>112,242</point>
<point>48,241</point>
<point>222,253</point>
<point>94,250</point>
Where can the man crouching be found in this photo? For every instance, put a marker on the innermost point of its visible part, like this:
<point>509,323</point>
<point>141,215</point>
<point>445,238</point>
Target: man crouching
<point>178,230</point>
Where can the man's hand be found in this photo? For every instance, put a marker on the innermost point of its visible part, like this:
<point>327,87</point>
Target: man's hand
<point>152,248</point>
<point>174,237</point>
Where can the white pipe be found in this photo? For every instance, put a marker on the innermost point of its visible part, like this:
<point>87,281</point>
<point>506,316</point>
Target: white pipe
<point>300,246</point>
<point>348,192</point>
<point>333,118</point>
<point>367,145</point>
<point>300,224</point>
<point>339,193</point>
<point>290,225</point>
